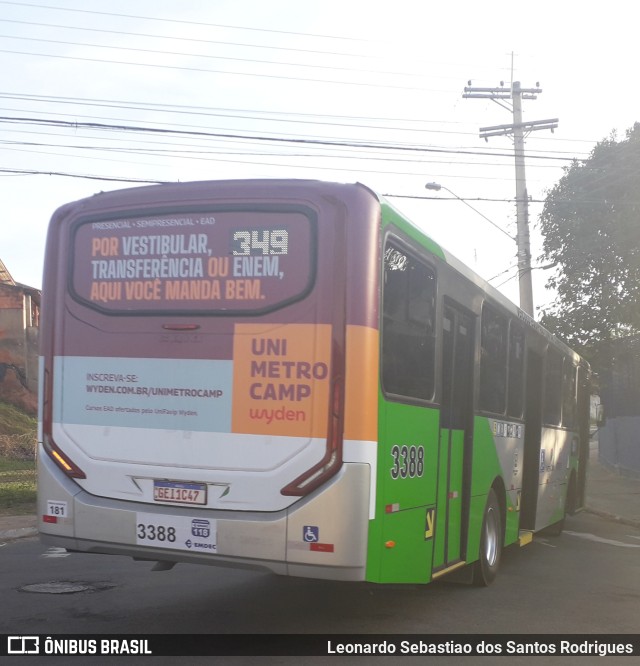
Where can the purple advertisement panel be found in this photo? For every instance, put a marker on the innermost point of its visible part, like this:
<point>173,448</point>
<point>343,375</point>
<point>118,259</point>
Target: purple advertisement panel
<point>229,260</point>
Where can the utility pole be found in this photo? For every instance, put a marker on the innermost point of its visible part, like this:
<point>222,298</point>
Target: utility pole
<point>502,96</point>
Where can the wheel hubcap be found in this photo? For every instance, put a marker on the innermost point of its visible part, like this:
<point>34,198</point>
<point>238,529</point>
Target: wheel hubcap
<point>491,537</point>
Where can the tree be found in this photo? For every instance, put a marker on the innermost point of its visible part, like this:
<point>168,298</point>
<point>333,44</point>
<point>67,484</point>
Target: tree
<point>591,228</point>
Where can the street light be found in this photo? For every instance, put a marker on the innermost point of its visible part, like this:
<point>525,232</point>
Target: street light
<point>436,187</point>
<point>524,263</point>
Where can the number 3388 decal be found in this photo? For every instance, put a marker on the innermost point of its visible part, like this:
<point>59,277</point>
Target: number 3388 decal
<point>408,462</point>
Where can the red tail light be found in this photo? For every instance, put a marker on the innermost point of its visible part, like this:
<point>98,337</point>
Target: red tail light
<point>61,459</point>
<point>58,456</point>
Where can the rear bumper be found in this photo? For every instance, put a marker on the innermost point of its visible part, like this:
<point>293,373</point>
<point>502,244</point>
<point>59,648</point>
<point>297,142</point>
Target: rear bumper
<point>334,519</point>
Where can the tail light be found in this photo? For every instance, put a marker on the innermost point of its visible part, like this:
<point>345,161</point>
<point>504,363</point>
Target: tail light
<point>61,459</point>
<point>58,456</point>
<point>332,459</point>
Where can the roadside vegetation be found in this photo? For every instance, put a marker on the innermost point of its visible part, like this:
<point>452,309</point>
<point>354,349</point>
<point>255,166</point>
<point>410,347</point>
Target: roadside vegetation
<point>17,461</point>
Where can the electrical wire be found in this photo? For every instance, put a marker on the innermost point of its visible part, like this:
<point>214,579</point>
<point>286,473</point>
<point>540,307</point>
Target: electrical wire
<point>257,137</point>
<point>208,56</point>
<point>183,21</point>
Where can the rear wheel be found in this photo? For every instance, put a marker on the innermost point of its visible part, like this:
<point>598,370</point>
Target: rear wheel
<point>486,568</point>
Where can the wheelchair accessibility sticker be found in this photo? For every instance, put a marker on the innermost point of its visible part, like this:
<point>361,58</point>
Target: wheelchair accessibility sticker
<point>311,533</point>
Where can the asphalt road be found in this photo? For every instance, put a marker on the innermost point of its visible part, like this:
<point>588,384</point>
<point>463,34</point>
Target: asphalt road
<point>586,581</point>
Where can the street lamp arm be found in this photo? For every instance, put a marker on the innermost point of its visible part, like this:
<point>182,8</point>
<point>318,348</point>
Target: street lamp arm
<point>437,187</point>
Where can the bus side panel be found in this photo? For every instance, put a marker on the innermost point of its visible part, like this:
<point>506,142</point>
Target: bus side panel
<point>484,469</point>
<point>495,455</point>
<point>454,519</point>
<point>401,536</point>
<point>338,515</point>
<point>360,437</point>
<point>56,494</point>
<point>556,461</point>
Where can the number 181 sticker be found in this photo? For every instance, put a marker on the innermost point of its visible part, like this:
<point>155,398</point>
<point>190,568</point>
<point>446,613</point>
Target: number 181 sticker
<point>57,509</point>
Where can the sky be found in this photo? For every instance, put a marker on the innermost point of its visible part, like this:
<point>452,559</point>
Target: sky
<point>98,96</point>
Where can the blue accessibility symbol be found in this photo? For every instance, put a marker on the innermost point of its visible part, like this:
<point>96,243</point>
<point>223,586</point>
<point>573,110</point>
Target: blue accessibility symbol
<point>311,533</point>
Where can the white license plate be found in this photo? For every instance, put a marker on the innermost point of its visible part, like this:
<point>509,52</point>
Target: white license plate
<point>196,535</point>
<point>179,492</point>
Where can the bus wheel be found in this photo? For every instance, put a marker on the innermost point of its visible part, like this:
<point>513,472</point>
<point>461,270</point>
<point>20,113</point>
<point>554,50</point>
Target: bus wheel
<point>486,568</point>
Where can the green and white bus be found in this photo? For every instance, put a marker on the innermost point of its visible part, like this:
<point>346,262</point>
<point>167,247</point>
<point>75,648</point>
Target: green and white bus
<point>290,375</point>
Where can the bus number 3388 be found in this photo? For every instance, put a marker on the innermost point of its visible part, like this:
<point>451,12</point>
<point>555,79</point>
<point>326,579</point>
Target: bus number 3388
<point>408,461</point>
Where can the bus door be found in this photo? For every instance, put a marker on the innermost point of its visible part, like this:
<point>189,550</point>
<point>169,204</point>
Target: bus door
<point>455,434</point>
<point>532,440</point>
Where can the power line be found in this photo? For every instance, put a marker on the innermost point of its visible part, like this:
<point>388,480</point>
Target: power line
<point>208,42</point>
<point>204,153</point>
<point>182,21</point>
<point>375,84</point>
<point>179,152</point>
<point>210,57</point>
<point>263,163</point>
<point>119,179</point>
<point>465,199</point>
<point>268,116</point>
<point>146,146</point>
<point>255,137</point>
<point>7,171</point>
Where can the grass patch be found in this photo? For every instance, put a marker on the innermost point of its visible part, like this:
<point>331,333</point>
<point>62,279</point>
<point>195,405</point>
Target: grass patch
<point>17,486</point>
<point>15,422</point>
<point>17,461</point>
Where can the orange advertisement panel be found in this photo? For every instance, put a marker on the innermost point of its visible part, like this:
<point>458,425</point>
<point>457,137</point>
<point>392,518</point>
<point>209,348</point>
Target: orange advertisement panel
<point>281,379</point>
<point>361,394</point>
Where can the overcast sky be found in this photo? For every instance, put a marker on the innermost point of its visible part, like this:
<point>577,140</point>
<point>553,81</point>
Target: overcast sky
<point>99,95</point>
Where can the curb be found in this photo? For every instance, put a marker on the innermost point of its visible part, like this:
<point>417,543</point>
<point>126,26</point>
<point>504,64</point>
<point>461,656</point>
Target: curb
<point>613,517</point>
<point>18,533</point>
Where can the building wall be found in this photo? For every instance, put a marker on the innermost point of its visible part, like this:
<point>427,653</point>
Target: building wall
<point>619,444</point>
<point>19,334</point>
<point>619,437</point>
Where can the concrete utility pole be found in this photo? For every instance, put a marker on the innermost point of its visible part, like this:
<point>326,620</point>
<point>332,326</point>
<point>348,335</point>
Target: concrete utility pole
<point>518,128</point>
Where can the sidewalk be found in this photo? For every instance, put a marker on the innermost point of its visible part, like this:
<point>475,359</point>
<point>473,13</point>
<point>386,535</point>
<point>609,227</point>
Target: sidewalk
<point>609,495</point>
<point>17,527</point>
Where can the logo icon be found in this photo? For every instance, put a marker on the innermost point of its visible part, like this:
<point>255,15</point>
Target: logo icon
<point>23,645</point>
<point>311,533</point>
<point>200,528</point>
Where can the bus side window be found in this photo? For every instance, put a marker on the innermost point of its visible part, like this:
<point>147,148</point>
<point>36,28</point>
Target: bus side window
<point>553,388</point>
<point>569,394</point>
<point>493,361</point>
<point>515,400</point>
<point>408,342</point>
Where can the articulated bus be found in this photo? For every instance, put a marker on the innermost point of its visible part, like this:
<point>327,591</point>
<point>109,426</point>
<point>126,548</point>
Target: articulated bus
<point>289,375</point>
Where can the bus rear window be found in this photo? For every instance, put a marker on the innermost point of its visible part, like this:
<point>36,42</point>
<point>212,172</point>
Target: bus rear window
<point>219,261</point>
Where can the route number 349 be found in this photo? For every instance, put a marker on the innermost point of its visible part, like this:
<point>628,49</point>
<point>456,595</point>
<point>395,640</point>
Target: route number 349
<point>408,462</point>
